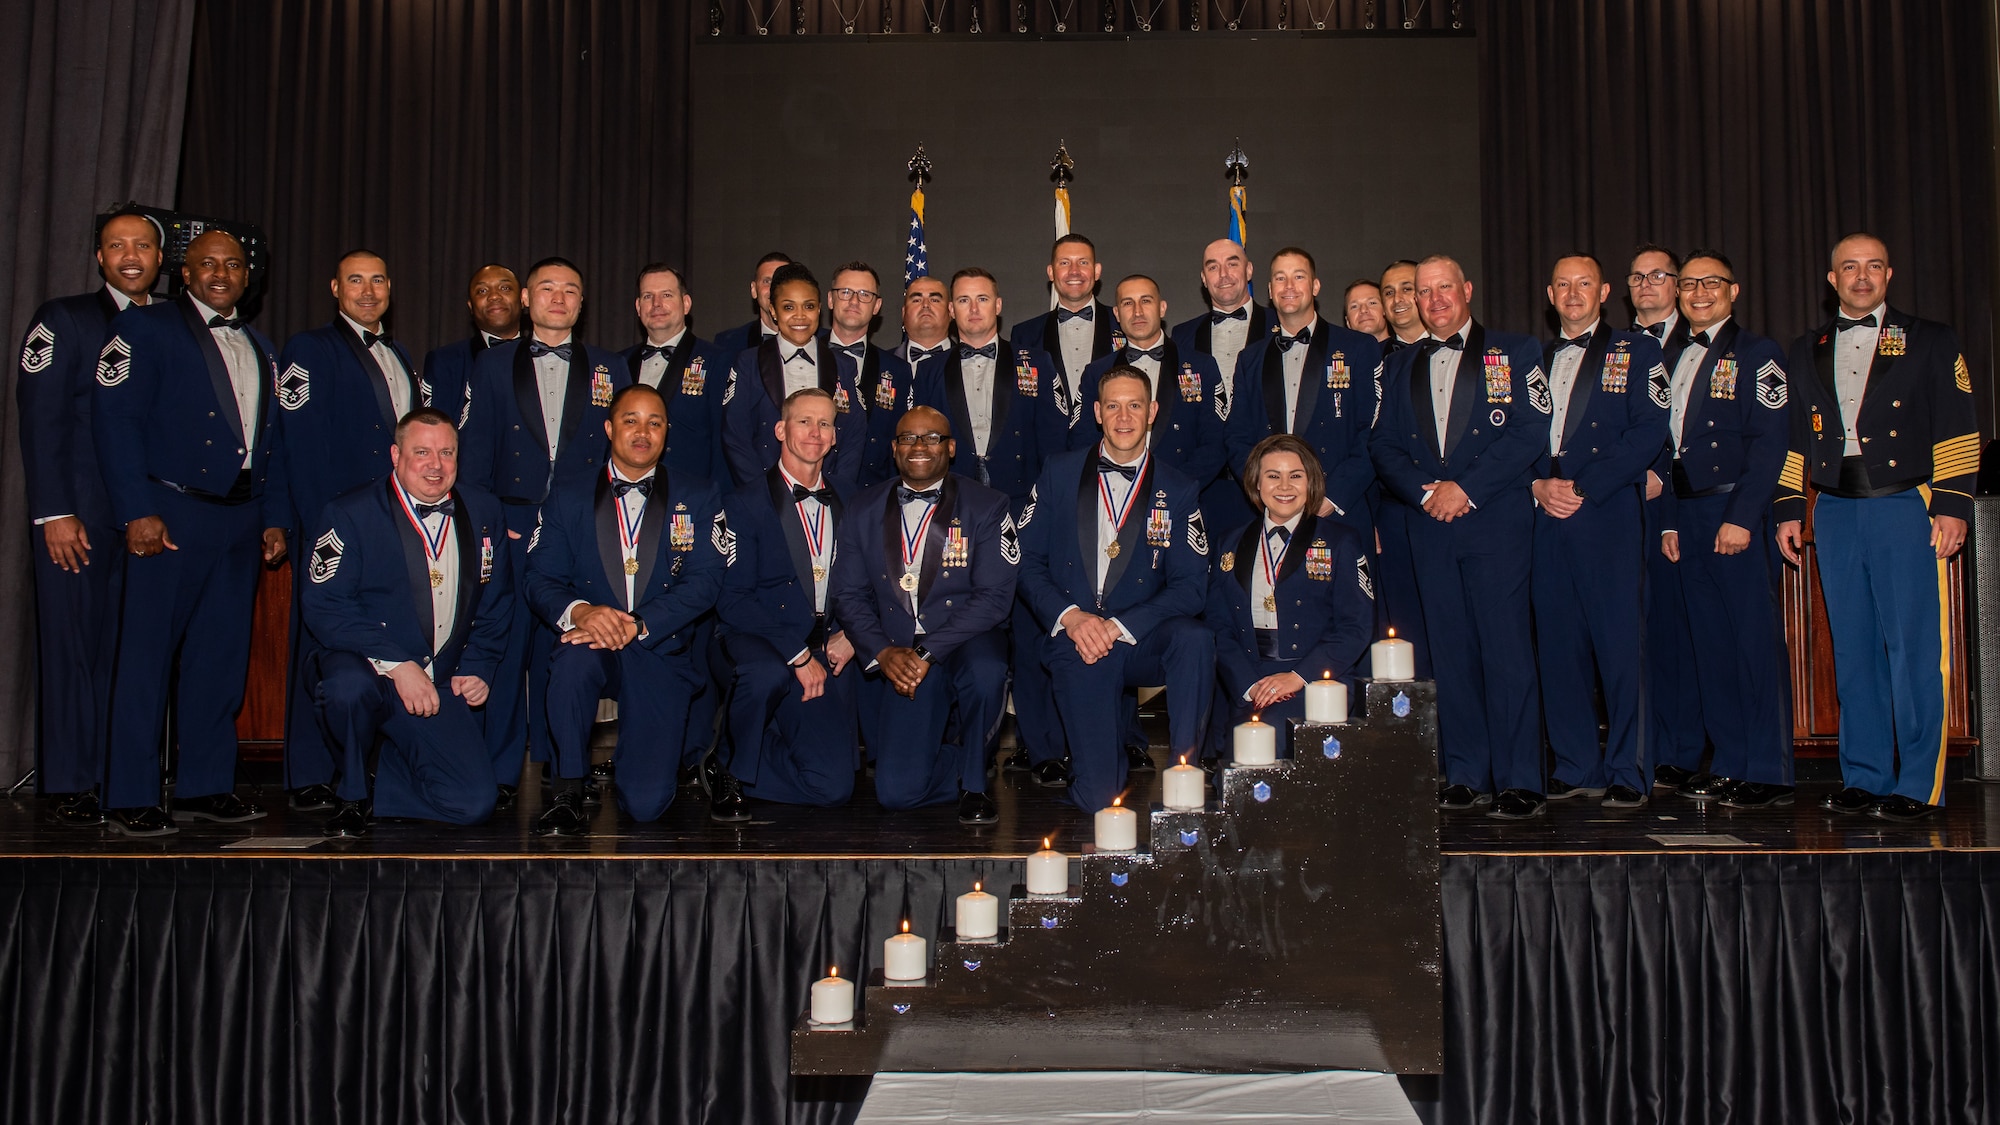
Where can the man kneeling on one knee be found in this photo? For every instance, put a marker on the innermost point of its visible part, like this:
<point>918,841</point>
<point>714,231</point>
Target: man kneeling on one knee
<point>407,589</point>
<point>622,567</point>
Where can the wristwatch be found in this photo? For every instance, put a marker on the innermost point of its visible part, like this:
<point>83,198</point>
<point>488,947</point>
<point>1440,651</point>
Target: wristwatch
<point>924,654</point>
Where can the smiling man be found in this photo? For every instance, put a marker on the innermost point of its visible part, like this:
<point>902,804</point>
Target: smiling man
<point>1080,330</point>
<point>1233,321</point>
<point>493,298</point>
<point>1399,307</point>
<point>341,388</point>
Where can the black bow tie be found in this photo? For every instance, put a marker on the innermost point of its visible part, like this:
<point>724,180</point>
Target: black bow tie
<point>445,507</point>
<point>648,351</point>
<point>1107,465</point>
<point>1087,312</point>
<point>918,354</point>
<point>800,494</point>
<point>1451,343</point>
<point>1282,534</point>
<point>1698,340</point>
<point>1218,317</point>
<point>537,349</point>
<point>905,494</point>
<point>370,339</point>
<point>1286,343</point>
<point>645,487</point>
<point>1842,324</point>
<point>1157,353</point>
<point>1571,342</point>
<point>1657,331</point>
<point>857,349</point>
<point>991,350</point>
<point>225,322</point>
<point>800,353</point>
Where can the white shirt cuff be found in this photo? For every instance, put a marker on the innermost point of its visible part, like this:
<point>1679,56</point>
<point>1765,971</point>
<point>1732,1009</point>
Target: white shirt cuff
<point>1059,627</point>
<point>384,667</point>
<point>563,624</point>
<point>1124,634</point>
<point>52,519</point>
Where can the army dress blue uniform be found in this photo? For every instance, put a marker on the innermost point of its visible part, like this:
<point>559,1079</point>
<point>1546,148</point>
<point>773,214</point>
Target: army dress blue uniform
<point>75,614</point>
<point>1675,736</point>
<point>935,572</point>
<point>337,415</point>
<point>1727,458</point>
<point>504,449</point>
<point>1889,434</point>
<point>1133,551</point>
<point>776,609</point>
<point>171,436</point>
<point>1589,570</point>
<point>1091,333</point>
<point>1472,573</point>
<point>753,400</point>
<point>391,582</point>
<point>1318,620</point>
<point>651,550</point>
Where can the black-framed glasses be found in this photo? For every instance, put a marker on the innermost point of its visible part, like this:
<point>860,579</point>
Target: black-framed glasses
<point>1656,277</point>
<point>928,441</point>
<point>1710,284</point>
<point>846,294</point>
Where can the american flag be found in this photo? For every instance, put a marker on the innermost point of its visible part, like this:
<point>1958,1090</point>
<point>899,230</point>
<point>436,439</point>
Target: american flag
<point>916,255</point>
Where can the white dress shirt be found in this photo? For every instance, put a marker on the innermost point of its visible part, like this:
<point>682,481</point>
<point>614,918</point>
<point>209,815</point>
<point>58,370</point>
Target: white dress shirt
<point>1075,337</point>
<point>811,509</point>
<point>444,595</point>
<point>1107,533</point>
<point>1853,356</point>
<point>1562,380</point>
<point>1260,583</point>
<point>913,515</point>
<point>239,357</point>
<point>552,379</point>
<point>976,375</point>
<point>389,364</point>
<point>1666,324</point>
<point>1295,372</point>
<point>1683,385</point>
<point>654,368</point>
<point>1226,339</point>
<point>1150,365</point>
<point>800,372</point>
<point>1444,378</point>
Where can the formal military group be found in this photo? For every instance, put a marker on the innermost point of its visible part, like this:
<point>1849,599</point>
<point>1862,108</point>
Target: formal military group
<point>794,558</point>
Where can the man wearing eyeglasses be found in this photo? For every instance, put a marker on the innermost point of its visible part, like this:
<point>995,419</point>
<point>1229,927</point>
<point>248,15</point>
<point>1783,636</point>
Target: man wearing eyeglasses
<point>853,302</point>
<point>762,376</point>
<point>1465,418</point>
<point>923,585</point>
<point>926,342</point>
<point>1728,427</point>
<point>1884,425</point>
<point>1674,740</point>
<point>1080,330</point>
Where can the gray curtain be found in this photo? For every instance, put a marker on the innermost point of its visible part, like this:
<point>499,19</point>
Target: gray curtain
<point>92,94</point>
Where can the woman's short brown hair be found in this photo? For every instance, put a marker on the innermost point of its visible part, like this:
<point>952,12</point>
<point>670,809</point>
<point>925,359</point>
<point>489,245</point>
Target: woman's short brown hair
<point>1285,443</point>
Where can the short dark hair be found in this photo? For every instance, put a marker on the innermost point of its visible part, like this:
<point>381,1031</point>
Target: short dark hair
<point>424,416</point>
<point>1358,283</point>
<point>1410,262</point>
<point>637,388</point>
<point>1586,256</point>
<point>651,268</point>
<point>361,252</point>
<point>1707,253</point>
<point>1136,277</point>
<point>791,273</point>
<point>1285,443</point>
<point>1083,240</point>
<point>858,266</point>
<point>1124,371</point>
<point>778,256</point>
<point>1296,252</point>
<point>971,271</point>
<point>132,210</point>
<point>785,408</point>
<point>551,262</point>
<point>1656,248</point>
<point>1869,235</point>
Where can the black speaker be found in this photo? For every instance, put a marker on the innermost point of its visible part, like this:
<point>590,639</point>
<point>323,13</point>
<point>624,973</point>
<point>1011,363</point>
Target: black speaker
<point>1983,645</point>
<point>177,230</point>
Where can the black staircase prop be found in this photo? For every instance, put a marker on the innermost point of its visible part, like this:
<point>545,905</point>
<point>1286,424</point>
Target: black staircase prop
<point>1290,925</point>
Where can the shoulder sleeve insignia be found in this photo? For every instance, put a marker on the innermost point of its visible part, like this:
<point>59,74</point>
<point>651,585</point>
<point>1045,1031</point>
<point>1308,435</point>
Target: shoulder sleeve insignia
<point>294,387</point>
<point>1961,376</point>
<point>114,363</point>
<point>1361,576</point>
<point>1538,391</point>
<point>729,388</point>
<point>465,408</point>
<point>1197,534</point>
<point>535,538</point>
<point>1659,386</point>
<point>1771,385</point>
<point>1010,540</point>
<point>424,390</point>
<point>1222,403</point>
<point>1027,513</point>
<point>723,539</point>
<point>40,350</point>
<point>327,550</point>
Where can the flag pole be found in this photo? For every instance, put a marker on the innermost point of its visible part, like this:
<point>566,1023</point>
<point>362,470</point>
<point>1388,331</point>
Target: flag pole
<point>1062,170</point>
<point>916,255</point>
<point>1237,167</point>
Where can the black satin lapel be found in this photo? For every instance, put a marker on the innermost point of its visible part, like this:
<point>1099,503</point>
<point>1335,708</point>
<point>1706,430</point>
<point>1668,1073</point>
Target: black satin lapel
<point>1131,537</point>
<point>1105,324</point>
<point>218,371</point>
<point>1467,387</point>
<point>1421,403</point>
<point>934,536</point>
<point>610,551</point>
<point>958,412</point>
<point>1589,373</point>
<point>1052,342</point>
<point>1311,374</point>
<point>1295,551</point>
<point>105,305</point>
<point>892,533</point>
<point>1273,371</point>
<point>1167,390</point>
<point>1823,364</point>
<point>829,369</point>
<point>1246,553</point>
<point>632,365</point>
<point>1204,336</point>
<point>1260,325</point>
<point>576,394</point>
<point>787,510</point>
<point>528,396</point>
<point>658,508</point>
<point>468,569</point>
<point>1086,511</point>
<point>1003,390</point>
<point>415,562</point>
<point>771,369</point>
<point>868,376</point>
<point>370,371</point>
<point>1880,364</point>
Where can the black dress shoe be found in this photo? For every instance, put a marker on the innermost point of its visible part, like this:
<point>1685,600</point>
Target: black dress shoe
<point>1850,800</point>
<point>726,803</point>
<point>1706,787</point>
<point>1137,760</point>
<point>1757,795</point>
<point>503,798</point>
<point>1053,773</point>
<point>222,808</point>
<point>349,821</point>
<point>1017,762</point>
<point>690,776</point>
<point>312,798</point>
<point>1517,804</point>
<point>148,821</point>
<point>1563,790</point>
<point>1671,777</point>
<point>79,810</point>
<point>1902,810</point>
<point>1622,797</point>
<point>1459,798</point>
<point>977,808</point>
<point>712,770</point>
<point>564,816</point>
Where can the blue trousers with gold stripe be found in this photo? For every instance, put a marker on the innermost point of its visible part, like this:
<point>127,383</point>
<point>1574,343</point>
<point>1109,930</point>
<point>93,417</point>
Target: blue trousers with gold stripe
<point>1885,606</point>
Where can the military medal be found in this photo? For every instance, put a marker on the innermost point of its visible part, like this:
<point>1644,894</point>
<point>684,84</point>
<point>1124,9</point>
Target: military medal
<point>815,529</point>
<point>486,558</point>
<point>956,550</point>
<point>913,544</point>
<point>1117,513</point>
<point>1722,381</point>
<point>1190,383</point>
<point>1027,380</point>
<point>693,378</point>
<point>908,581</point>
<point>1319,561</point>
<point>1270,603</point>
<point>1892,342</point>
<point>600,386</point>
<point>1159,524</point>
<point>1338,376</point>
<point>433,544</point>
<point>437,578</point>
<point>1111,552</point>
<point>1499,377</point>
<point>1270,567</point>
<point>819,573</point>
<point>628,527</point>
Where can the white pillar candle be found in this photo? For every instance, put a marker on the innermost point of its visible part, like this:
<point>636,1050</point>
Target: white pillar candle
<point>833,999</point>
<point>978,914</point>
<point>905,956</point>
<point>1117,828</point>
<point>1048,872</point>
<point>1393,659</point>
<point>1254,743</point>
<point>1326,700</point>
<point>1183,787</point>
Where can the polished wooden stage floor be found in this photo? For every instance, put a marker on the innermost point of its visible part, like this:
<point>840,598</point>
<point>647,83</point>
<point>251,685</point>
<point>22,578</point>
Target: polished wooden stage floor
<point>864,830</point>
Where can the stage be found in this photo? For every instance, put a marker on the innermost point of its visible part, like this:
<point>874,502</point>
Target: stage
<point>1672,963</point>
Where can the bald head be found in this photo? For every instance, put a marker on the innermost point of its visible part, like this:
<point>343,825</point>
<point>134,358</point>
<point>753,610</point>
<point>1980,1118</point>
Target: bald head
<point>1225,273</point>
<point>924,448</point>
<point>216,270</point>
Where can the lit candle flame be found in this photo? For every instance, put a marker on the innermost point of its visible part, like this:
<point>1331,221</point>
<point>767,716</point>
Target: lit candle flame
<point>833,972</point>
<point>975,886</point>
<point>1392,633</point>
<point>1183,759</point>
<point>1256,717</point>
<point>906,925</point>
<point>1045,843</point>
<point>1116,801</point>
<point>1326,675</point>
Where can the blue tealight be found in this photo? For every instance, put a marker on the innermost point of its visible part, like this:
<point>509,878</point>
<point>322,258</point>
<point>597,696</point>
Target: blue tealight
<point>1189,836</point>
<point>1261,791</point>
<point>900,1008</point>
<point>973,966</point>
<point>1331,747</point>
<point>1400,705</point>
<point>1048,923</point>
<point>1118,878</point>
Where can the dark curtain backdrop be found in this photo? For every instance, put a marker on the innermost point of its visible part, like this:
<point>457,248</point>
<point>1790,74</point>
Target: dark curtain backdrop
<point>1764,129</point>
<point>443,134</point>
<point>90,114</point>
